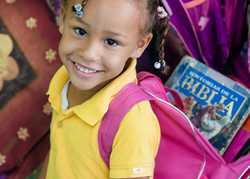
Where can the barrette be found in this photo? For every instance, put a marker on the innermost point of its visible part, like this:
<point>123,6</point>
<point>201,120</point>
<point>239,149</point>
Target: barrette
<point>78,8</point>
<point>161,12</point>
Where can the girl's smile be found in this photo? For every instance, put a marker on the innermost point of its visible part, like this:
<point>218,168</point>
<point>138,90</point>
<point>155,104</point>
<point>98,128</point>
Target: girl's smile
<point>83,70</point>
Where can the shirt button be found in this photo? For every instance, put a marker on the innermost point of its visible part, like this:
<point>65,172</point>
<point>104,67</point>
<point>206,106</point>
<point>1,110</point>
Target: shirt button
<point>59,124</point>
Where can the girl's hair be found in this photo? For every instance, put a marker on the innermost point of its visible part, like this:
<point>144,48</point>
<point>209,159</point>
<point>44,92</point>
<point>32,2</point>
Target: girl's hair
<point>64,3</point>
<point>155,24</point>
<point>160,27</point>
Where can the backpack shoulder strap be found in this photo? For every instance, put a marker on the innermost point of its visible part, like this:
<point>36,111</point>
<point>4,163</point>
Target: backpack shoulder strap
<point>130,95</point>
<point>119,106</point>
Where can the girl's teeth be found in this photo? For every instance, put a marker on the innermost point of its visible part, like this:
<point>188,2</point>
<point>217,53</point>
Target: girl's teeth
<point>85,70</point>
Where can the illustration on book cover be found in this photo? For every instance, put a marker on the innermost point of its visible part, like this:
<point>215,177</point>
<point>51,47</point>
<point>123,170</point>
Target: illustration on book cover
<point>215,104</point>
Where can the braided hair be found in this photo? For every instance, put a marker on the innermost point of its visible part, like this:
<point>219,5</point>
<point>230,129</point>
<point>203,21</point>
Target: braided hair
<point>160,27</point>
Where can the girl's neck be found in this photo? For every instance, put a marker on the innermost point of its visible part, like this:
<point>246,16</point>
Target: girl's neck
<point>76,96</point>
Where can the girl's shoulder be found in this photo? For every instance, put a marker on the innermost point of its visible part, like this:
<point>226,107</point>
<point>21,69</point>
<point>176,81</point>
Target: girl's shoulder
<point>141,118</point>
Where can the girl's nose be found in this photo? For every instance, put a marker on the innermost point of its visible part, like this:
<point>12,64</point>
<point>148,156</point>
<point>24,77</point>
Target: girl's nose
<point>91,51</point>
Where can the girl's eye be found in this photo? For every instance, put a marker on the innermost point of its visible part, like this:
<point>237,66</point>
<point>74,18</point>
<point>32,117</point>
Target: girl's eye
<point>79,31</point>
<point>111,42</point>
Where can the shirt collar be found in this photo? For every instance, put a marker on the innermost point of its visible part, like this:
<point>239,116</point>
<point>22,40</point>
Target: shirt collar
<point>56,85</point>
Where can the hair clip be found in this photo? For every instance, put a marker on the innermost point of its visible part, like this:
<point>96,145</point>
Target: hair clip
<point>78,8</point>
<point>162,13</point>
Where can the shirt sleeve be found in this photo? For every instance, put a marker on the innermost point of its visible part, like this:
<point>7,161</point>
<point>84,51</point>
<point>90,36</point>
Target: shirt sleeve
<point>136,144</point>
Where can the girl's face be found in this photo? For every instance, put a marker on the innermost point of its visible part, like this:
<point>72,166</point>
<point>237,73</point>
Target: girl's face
<point>96,47</point>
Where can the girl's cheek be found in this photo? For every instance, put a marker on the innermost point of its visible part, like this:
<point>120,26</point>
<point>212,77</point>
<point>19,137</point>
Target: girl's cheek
<point>66,45</point>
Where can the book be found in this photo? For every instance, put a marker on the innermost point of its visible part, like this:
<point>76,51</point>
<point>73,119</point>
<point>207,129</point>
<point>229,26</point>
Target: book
<point>215,104</point>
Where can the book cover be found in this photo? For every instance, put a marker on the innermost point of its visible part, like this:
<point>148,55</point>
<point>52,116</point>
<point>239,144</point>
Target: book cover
<point>216,105</point>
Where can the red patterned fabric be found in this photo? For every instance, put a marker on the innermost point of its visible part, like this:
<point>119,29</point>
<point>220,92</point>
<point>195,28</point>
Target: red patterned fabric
<point>24,120</point>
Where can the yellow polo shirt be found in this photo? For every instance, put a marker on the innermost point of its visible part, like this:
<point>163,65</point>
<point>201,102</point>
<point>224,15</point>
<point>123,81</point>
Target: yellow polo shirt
<point>74,152</point>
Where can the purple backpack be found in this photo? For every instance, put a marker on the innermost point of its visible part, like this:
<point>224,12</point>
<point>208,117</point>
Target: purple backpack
<point>183,151</point>
<point>200,24</point>
<point>213,32</point>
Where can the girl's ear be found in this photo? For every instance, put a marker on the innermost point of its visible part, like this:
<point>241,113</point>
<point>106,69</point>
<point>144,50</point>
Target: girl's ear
<point>142,45</point>
<point>60,27</point>
<point>61,20</point>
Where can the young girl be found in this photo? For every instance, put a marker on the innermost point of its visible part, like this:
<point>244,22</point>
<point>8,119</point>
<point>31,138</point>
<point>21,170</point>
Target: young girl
<point>101,40</point>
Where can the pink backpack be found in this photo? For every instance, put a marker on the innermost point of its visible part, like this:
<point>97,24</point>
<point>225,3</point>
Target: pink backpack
<point>183,153</point>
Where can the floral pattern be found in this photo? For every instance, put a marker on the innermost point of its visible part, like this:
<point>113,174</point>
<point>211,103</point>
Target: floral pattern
<point>23,133</point>
<point>2,159</point>
<point>50,55</point>
<point>31,23</point>
<point>47,109</point>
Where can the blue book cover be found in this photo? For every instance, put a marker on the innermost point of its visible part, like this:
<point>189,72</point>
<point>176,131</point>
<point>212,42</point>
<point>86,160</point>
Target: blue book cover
<point>216,105</point>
